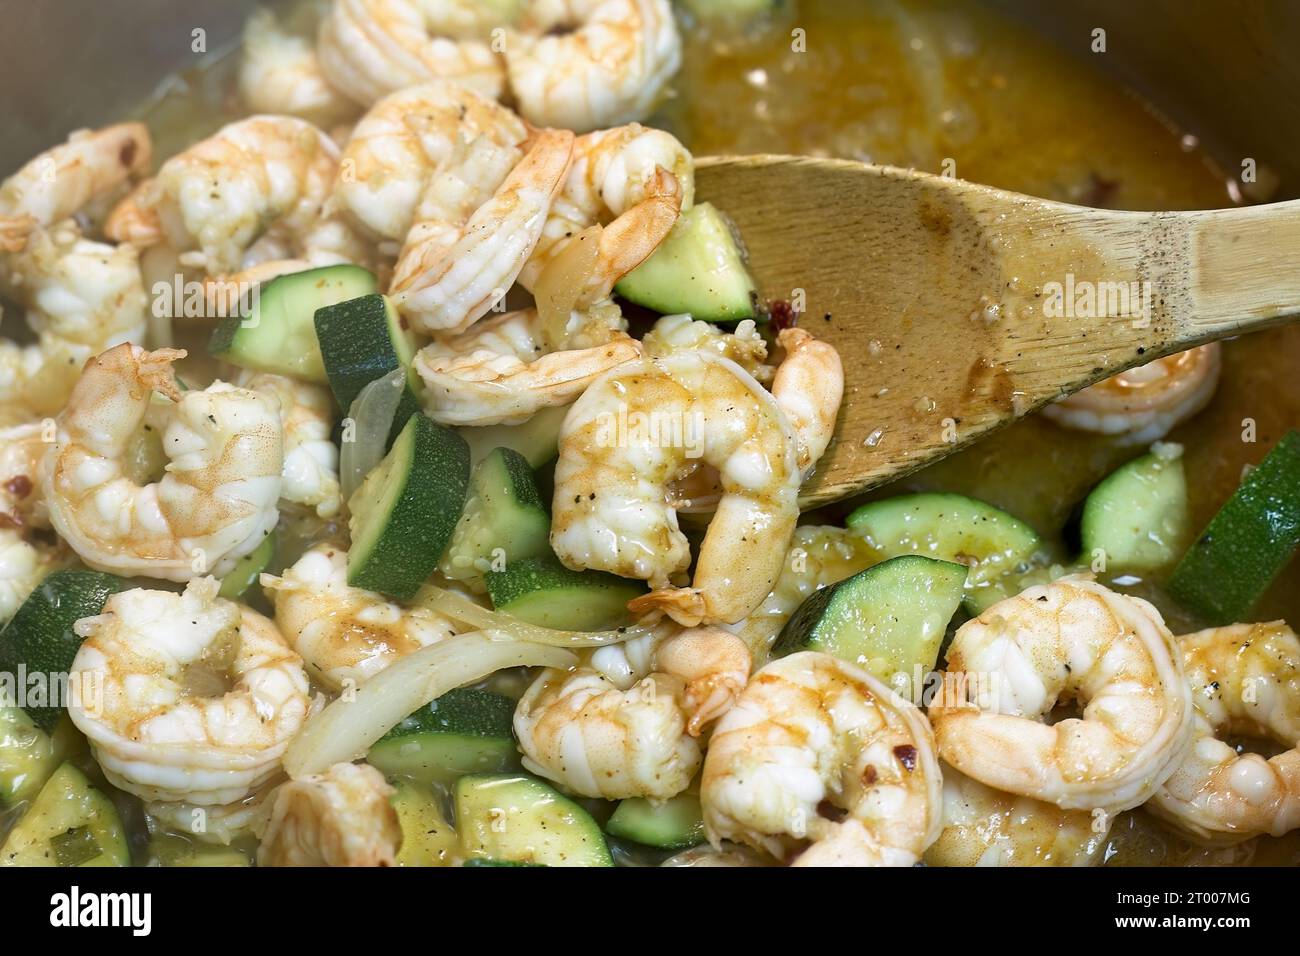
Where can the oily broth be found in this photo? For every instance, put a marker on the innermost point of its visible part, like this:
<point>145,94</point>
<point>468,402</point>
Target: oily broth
<point>915,84</point>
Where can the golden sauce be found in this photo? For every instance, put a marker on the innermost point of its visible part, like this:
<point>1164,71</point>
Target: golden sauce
<point>946,87</point>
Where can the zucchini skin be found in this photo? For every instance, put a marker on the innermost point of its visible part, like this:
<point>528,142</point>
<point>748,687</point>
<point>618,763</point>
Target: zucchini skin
<point>40,639</point>
<point>1247,543</point>
<point>421,520</point>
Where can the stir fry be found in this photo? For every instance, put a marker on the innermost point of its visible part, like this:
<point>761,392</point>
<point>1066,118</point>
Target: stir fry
<point>408,472</point>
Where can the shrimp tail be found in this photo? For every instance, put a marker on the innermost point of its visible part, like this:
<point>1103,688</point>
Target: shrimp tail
<point>155,371</point>
<point>686,606</point>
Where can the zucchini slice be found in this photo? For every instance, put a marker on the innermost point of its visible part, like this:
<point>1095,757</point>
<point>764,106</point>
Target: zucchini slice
<point>1247,543</point>
<point>364,339</point>
<point>518,819</point>
<point>537,439</point>
<point>1138,516</point>
<point>543,591</point>
<point>28,756</point>
<point>674,824</point>
<point>699,268</point>
<point>39,638</point>
<point>427,837</point>
<point>279,335</point>
<point>504,519</point>
<point>405,511</point>
<point>889,619</point>
<point>949,527</point>
<point>463,731</point>
<point>248,569</point>
<point>69,824</point>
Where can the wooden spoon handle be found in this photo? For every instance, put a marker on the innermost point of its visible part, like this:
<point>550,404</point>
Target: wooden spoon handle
<point>1245,269</point>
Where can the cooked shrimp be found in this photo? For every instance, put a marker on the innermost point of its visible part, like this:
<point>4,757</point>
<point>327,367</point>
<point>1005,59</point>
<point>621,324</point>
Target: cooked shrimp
<point>1245,680</point>
<point>255,190</point>
<point>472,175</point>
<point>215,503</point>
<point>81,296</point>
<point>810,730</point>
<point>808,386</point>
<point>342,817</point>
<point>680,333</point>
<point>61,181</point>
<point>281,73</point>
<point>220,824</point>
<point>644,424</point>
<point>498,373</point>
<point>345,635</point>
<point>404,141</point>
<point>1144,403</point>
<point>446,287</point>
<point>584,64</point>
<point>626,724</point>
<point>986,827</point>
<point>21,449</point>
<point>369,48</point>
<point>310,478</point>
<point>630,181</point>
<point>23,565</point>
<point>194,697</point>
<point>1069,641</point>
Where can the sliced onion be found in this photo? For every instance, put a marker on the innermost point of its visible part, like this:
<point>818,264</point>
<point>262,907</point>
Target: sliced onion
<point>347,728</point>
<point>462,609</point>
<point>562,283</point>
<point>372,414</point>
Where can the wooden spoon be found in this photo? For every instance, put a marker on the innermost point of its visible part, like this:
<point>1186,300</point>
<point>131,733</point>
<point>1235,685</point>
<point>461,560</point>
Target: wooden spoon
<point>938,294</point>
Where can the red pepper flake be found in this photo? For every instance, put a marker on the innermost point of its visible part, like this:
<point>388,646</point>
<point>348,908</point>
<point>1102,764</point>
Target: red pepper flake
<point>869,775</point>
<point>906,755</point>
<point>20,486</point>
<point>8,520</point>
<point>783,314</point>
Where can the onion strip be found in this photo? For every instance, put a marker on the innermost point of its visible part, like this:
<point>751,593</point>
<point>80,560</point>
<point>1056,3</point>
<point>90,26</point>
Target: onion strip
<point>346,729</point>
<point>371,415</point>
<point>460,608</point>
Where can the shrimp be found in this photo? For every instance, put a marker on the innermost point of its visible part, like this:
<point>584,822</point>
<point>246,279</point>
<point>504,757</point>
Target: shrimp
<point>632,182</point>
<point>62,181</point>
<point>642,425</point>
<point>21,449</point>
<point>217,499</point>
<point>342,817</point>
<point>1245,679</point>
<point>81,296</point>
<point>451,285</point>
<point>23,565</point>
<point>584,64</point>
<point>369,48</point>
<point>808,386</point>
<point>310,477</point>
<point>811,730</point>
<point>345,635</point>
<point>626,725</point>
<point>498,373</point>
<point>191,697</point>
<point>1144,403</point>
<point>1071,640</point>
<point>221,824</point>
<point>257,189</point>
<point>404,141</point>
<point>985,827</point>
<point>281,73</point>
<point>680,333</point>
